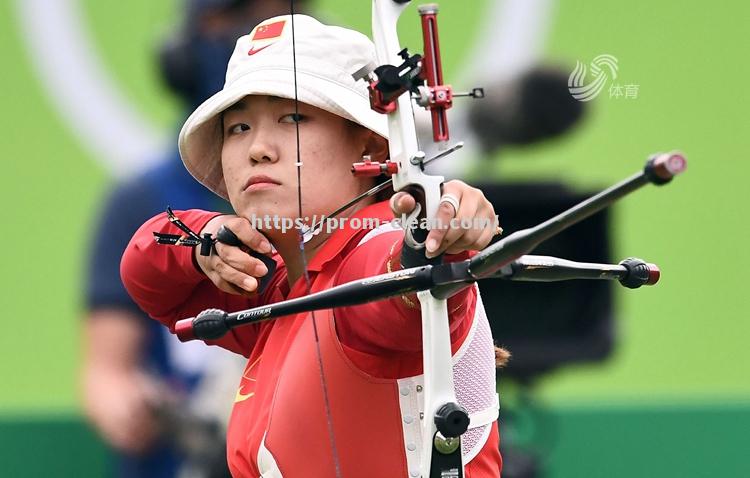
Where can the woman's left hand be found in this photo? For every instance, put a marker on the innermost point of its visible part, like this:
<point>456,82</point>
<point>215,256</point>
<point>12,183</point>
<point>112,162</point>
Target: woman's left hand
<point>468,227</point>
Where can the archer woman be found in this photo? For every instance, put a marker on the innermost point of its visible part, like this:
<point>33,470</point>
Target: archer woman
<point>336,392</point>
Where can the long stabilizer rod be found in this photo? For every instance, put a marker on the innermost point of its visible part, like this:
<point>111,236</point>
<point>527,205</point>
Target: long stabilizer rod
<point>501,260</point>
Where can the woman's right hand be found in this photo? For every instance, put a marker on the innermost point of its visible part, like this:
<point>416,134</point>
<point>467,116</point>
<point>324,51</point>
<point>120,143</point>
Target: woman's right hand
<point>231,268</point>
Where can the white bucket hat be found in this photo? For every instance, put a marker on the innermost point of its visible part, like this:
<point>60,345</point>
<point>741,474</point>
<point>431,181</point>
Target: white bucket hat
<point>263,64</point>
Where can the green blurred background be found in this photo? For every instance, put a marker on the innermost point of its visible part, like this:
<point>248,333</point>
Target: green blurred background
<point>674,400</point>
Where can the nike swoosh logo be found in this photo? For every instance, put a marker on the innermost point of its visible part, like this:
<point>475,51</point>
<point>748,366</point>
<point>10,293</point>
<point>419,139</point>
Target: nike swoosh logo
<point>254,50</point>
<point>240,397</point>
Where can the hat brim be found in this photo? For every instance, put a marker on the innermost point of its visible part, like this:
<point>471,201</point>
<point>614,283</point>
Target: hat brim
<point>201,137</point>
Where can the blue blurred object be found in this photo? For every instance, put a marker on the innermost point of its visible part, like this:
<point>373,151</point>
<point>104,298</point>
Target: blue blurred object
<point>127,208</point>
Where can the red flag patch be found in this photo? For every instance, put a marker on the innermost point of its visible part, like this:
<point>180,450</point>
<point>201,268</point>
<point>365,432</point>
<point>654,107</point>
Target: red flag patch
<point>266,32</point>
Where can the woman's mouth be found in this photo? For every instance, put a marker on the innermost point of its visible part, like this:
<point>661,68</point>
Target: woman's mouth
<point>259,182</point>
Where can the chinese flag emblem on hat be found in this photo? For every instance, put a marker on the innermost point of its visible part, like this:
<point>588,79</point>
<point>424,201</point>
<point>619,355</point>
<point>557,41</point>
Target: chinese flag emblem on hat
<point>271,30</point>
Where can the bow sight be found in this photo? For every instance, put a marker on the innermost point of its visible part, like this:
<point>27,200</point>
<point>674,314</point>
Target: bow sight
<point>422,76</point>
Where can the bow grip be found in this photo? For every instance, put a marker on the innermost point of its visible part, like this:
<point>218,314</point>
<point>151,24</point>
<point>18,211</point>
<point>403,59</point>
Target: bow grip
<point>226,236</point>
<point>413,249</point>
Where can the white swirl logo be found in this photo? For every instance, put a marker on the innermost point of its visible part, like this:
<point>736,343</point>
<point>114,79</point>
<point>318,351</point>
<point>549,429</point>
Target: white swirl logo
<point>603,69</point>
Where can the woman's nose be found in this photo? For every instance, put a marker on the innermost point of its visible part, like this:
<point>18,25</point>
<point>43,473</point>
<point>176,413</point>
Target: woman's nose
<point>263,148</point>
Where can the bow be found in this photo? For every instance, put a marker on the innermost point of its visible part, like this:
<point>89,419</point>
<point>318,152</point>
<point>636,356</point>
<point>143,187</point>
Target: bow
<point>400,81</point>
<point>391,90</point>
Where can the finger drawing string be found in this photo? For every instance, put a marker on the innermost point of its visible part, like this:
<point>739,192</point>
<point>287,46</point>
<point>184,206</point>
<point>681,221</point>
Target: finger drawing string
<point>207,243</point>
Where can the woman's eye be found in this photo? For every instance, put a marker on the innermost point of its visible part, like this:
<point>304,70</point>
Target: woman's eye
<point>238,128</point>
<point>292,118</point>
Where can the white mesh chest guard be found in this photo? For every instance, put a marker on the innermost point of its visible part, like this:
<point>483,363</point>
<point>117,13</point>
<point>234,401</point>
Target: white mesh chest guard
<point>474,382</point>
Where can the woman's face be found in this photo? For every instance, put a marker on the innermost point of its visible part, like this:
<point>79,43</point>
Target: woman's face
<point>259,158</point>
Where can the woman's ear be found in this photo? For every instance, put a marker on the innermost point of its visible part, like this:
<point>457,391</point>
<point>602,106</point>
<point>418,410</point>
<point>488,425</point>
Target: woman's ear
<point>376,146</point>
